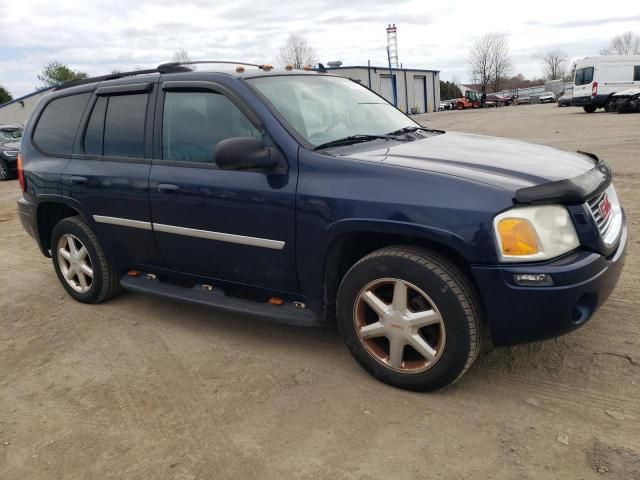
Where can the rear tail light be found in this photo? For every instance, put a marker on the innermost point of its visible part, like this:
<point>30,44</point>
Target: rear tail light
<point>594,89</point>
<point>20,172</point>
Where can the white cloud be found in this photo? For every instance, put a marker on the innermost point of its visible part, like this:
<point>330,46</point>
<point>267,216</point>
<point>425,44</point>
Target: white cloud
<point>99,36</point>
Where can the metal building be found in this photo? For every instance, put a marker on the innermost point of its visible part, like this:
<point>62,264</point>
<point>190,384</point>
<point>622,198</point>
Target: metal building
<point>411,90</point>
<point>18,110</point>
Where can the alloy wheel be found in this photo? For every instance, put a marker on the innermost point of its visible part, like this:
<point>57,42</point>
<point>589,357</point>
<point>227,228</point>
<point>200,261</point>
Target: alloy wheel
<point>399,325</point>
<point>75,263</point>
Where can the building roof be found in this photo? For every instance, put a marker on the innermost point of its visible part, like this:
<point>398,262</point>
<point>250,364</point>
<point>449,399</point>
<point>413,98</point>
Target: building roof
<point>24,97</point>
<point>373,67</point>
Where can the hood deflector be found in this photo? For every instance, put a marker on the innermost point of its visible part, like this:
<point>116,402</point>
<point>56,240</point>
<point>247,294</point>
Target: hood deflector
<point>572,190</point>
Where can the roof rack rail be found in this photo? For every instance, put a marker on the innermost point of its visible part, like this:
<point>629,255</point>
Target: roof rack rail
<point>113,76</point>
<point>198,62</point>
<point>170,67</point>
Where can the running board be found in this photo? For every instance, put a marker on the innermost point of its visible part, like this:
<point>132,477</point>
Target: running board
<point>286,313</point>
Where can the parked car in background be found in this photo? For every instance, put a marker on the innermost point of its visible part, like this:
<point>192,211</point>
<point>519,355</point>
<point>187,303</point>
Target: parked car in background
<point>10,136</point>
<point>547,97</point>
<point>523,100</point>
<point>626,101</point>
<point>305,198</point>
<point>597,79</point>
<point>565,99</point>
<point>499,100</point>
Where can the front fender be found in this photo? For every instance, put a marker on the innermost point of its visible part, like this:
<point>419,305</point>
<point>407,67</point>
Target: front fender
<point>400,228</point>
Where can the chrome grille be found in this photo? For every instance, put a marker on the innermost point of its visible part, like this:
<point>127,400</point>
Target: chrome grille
<point>611,226</point>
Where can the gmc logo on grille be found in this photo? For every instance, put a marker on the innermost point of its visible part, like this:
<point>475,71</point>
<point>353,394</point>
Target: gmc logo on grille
<point>605,207</point>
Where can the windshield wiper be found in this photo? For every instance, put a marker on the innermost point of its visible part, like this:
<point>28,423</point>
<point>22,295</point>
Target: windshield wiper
<point>409,129</point>
<point>351,139</point>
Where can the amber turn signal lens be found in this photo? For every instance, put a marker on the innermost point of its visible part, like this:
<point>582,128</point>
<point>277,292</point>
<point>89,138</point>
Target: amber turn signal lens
<point>275,301</point>
<point>517,237</point>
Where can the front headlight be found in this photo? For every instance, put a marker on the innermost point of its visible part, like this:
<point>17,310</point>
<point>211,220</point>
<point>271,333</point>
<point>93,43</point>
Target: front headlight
<point>534,233</point>
<point>10,153</point>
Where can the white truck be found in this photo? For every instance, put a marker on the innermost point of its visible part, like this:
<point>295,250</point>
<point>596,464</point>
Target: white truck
<point>598,78</point>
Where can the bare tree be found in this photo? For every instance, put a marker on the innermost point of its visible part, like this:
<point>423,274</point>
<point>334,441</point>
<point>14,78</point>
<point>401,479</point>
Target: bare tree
<point>554,63</point>
<point>489,59</point>
<point>181,55</point>
<point>572,71</point>
<point>626,44</point>
<point>501,60</point>
<point>297,52</point>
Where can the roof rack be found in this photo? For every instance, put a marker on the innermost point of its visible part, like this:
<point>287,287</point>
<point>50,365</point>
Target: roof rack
<point>199,62</point>
<point>170,67</point>
<point>131,73</point>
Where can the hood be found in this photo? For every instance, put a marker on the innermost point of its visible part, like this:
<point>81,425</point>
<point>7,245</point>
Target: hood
<point>627,93</point>
<point>505,163</point>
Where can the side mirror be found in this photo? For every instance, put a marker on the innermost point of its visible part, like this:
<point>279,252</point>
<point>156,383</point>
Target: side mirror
<point>244,153</point>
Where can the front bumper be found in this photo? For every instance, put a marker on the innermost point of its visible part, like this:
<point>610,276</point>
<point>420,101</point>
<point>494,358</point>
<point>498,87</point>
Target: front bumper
<point>11,163</point>
<point>582,281</point>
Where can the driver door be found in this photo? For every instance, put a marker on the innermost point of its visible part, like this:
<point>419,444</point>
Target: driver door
<point>229,225</point>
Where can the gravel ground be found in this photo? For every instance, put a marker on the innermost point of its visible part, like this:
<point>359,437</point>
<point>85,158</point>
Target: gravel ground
<point>146,388</point>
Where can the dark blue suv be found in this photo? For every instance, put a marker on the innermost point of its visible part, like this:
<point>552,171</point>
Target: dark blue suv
<point>305,198</point>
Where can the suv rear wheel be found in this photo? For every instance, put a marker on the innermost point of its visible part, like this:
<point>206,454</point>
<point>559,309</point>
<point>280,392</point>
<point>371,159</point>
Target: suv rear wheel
<point>80,263</point>
<point>589,108</point>
<point>410,318</point>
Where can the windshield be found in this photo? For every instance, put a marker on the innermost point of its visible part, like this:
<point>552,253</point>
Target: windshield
<point>10,134</point>
<point>584,76</point>
<point>323,109</point>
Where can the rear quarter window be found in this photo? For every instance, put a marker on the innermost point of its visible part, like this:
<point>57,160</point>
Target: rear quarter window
<point>584,76</point>
<point>636,73</point>
<point>56,129</point>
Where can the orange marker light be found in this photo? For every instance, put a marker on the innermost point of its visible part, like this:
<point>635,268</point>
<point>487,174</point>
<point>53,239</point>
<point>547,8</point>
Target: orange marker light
<point>517,237</point>
<point>275,301</point>
<point>266,67</point>
<point>288,68</point>
<point>239,69</point>
<point>133,273</point>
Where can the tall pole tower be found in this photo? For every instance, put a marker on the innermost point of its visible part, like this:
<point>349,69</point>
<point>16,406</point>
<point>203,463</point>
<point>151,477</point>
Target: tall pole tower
<point>392,44</point>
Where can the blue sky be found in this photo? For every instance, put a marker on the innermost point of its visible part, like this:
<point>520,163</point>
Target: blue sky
<point>102,35</point>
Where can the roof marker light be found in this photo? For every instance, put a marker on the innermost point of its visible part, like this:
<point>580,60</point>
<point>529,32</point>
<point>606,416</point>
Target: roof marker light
<point>240,69</point>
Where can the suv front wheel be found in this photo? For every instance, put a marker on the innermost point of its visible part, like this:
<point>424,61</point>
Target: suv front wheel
<point>410,318</point>
<point>81,264</point>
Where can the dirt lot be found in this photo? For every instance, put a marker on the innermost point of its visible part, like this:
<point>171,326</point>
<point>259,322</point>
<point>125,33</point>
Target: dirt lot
<point>146,388</point>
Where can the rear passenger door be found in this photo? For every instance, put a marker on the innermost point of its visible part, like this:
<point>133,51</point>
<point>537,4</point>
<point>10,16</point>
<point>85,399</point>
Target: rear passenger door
<point>234,226</point>
<point>108,174</point>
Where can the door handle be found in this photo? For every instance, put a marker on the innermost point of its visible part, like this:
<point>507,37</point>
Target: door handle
<point>78,180</point>
<point>167,189</point>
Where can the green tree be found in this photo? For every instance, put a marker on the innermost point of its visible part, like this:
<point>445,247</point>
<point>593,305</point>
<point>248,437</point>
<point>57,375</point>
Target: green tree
<point>5,96</point>
<point>55,72</point>
<point>449,90</point>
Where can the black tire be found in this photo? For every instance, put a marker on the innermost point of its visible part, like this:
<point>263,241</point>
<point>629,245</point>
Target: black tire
<point>589,108</point>
<point>447,287</point>
<point>4,170</point>
<point>105,283</point>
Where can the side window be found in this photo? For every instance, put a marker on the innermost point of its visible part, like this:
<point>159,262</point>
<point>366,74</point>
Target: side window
<point>56,129</point>
<point>584,76</point>
<point>94,135</point>
<point>636,73</point>
<point>116,126</point>
<point>194,122</point>
<point>124,125</point>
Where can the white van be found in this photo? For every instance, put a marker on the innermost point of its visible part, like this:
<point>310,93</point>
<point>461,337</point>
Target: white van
<point>598,78</point>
